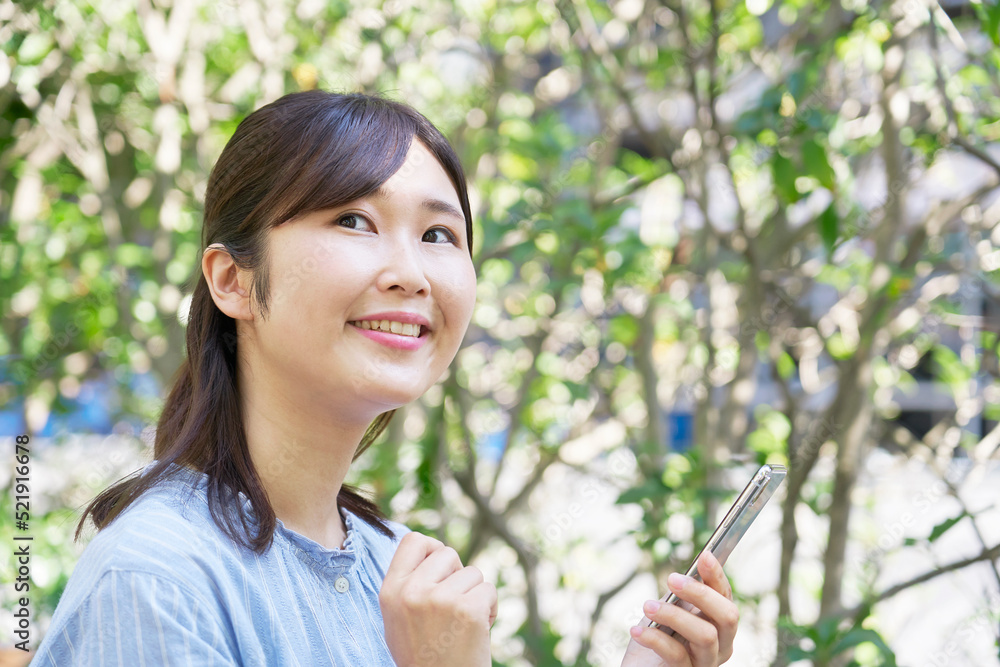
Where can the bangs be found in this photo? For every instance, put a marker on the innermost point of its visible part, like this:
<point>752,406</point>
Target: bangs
<point>343,154</point>
<point>308,152</point>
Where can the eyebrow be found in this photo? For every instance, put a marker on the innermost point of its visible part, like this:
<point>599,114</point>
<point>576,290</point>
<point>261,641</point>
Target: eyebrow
<point>430,204</point>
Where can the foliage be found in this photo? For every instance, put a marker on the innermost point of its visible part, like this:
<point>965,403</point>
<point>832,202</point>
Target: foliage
<point>827,640</point>
<point>726,213</point>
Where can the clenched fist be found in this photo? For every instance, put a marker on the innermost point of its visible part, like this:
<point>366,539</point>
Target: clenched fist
<point>437,613</point>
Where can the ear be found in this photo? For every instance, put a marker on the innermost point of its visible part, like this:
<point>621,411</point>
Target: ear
<point>228,284</point>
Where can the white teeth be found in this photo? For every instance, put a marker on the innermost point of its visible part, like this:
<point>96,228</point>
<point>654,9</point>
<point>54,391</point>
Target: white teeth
<point>389,326</point>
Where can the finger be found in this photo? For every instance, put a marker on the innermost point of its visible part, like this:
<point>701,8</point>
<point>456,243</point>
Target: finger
<point>463,581</point>
<point>705,598</point>
<point>659,642</point>
<point>728,619</point>
<point>486,593</point>
<point>413,550</point>
<point>475,607</point>
<point>700,635</point>
<point>721,611</point>
<point>712,574</point>
<point>494,605</point>
<point>438,565</point>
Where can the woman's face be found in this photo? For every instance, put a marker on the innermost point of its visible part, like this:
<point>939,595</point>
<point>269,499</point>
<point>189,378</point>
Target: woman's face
<point>369,302</point>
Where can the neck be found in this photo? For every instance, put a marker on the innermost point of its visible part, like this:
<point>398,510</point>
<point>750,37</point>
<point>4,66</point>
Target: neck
<point>302,454</point>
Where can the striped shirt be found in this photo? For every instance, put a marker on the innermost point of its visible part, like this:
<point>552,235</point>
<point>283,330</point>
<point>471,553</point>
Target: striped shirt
<point>162,585</point>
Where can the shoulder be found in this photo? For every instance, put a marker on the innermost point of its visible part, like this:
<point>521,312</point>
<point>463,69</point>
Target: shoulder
<point>154,571</point>
<point>131,618</point>
<point>170,521</point>
<point>168,532</point>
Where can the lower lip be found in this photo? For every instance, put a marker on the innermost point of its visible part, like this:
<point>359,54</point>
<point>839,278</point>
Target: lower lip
<point>393,340</point>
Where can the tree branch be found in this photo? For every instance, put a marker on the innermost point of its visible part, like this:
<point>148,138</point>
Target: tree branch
<point>990,554</point>
<point>953,130</point>
<point>602,600</point>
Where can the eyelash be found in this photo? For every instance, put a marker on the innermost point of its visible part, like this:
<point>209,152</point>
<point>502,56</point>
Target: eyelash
<point>447,232</point>
<point>348,216</point>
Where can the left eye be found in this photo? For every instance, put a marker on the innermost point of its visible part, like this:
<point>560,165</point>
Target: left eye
<point>438,235</point>
<point>354,221</point>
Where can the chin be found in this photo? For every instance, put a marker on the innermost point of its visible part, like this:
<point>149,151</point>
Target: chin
<point>402,395</point>
<point>387,387</point>
<point>395,401</point>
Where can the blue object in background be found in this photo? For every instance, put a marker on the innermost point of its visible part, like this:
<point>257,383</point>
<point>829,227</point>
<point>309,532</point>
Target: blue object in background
<point>490,446</point>
<point>96,409</point>
<point>12,418</point>
<point>680,431</point>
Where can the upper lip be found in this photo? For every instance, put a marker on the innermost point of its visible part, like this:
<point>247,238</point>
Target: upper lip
<point>397,316</point>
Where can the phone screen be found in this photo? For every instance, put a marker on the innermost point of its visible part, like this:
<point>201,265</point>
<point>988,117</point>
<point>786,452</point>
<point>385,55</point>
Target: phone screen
<point>737,520</point>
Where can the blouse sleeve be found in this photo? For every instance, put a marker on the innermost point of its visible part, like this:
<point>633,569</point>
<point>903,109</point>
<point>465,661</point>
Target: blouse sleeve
<point>137,618</point>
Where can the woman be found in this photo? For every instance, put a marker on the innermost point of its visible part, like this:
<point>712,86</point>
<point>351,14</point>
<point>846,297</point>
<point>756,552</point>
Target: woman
<point>336,285</point>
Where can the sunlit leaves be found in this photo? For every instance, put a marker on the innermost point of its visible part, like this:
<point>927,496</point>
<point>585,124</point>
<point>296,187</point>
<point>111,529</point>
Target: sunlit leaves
<point>989,14</point>
<point>770,439</point>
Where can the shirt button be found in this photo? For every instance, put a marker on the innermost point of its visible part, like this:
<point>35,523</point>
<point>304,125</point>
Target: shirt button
<point>341,584</point>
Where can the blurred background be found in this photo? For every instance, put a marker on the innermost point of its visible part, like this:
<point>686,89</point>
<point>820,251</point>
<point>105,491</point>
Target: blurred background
<point>708,236</point>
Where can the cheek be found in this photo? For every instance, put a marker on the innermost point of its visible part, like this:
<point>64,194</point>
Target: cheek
<point>311,289</point>
<point>461,295</point>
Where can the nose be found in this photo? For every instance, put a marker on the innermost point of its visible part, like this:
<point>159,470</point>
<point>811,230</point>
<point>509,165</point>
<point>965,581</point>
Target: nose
<point>403,269</point>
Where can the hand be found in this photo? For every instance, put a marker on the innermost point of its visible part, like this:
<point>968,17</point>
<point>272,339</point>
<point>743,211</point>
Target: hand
<point>436,612</point>
<point>704,633</point>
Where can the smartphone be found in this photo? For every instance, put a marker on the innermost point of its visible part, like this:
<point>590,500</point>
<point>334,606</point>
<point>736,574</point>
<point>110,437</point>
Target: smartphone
<point>736,522</point>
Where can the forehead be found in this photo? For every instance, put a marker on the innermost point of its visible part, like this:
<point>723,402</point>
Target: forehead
<point>420,168</point>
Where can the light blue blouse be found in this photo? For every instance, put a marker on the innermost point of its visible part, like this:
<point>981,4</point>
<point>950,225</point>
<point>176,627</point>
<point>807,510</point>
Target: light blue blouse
<point>162,585</point>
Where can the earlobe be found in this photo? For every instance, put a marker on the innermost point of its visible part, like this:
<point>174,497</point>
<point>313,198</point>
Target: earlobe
<point>226,282</point>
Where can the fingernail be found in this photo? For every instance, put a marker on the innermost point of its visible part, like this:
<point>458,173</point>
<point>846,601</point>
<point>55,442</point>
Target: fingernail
<point>651,606</point>
<point>635,631</point>
<point>677,581</point>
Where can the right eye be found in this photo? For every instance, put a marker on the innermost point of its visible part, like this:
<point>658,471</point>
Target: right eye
<point>354,221</point>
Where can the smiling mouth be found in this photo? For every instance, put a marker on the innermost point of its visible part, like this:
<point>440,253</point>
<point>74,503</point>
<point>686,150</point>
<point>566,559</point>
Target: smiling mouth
<point>388,326</point>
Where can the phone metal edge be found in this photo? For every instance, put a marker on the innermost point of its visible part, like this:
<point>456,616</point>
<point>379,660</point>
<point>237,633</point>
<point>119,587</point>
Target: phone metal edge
<point>751,495</point>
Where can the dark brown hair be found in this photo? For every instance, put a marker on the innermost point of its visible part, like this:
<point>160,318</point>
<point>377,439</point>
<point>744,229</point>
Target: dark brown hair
<point>304,152</point>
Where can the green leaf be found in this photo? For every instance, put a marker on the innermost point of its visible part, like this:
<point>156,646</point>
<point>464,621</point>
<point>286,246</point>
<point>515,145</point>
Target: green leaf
<point>624,329</point>
<point>857,635</point>
<point>817,164</point>
<point>826,632</point>
<point>950,368</point>
<point>784,173</point>
<point>517,167</point>
<point>651,488</point>
<point>132,255</point>
<point>853,637</point>
<point>829,223</point>
<point>989,15</point>
<point>786,365</point>
<point>945,526</point>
